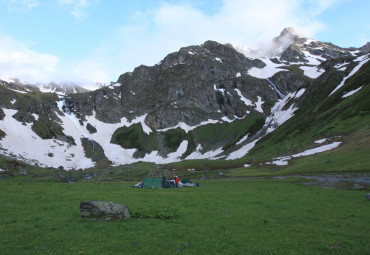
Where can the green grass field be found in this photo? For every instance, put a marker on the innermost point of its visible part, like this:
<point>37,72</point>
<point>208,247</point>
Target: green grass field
<point>220,217</point>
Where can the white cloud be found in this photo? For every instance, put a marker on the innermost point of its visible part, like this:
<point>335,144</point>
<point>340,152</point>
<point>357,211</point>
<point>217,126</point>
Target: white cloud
<point>78,8</point>
<point>18,61</point>
<point>20,5</point>
<point>152,34</point>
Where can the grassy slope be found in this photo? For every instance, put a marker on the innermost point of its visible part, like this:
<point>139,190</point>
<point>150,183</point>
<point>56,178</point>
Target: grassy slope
<point>219,217</point>
<point>322,117</point>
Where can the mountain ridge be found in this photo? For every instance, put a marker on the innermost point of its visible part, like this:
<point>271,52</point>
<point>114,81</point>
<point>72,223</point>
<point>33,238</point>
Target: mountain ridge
<point>205,101</point>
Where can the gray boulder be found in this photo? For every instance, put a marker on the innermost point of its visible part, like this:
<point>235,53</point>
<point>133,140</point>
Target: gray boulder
<point>368,196</point>
<point>103,211</point>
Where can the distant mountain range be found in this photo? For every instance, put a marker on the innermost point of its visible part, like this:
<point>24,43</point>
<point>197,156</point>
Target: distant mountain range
<point>291,98</point>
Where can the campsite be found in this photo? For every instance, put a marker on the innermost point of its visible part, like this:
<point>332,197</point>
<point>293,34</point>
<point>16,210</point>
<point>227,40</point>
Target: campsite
<point>221,216</point>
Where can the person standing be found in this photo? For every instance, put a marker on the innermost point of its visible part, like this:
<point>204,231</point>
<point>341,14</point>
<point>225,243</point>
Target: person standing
<point>177,180</point>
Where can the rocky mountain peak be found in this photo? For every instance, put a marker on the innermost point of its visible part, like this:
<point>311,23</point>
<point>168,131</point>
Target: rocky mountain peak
<point>287,36</point>
<point>365,48</point>
<point>275,47</point>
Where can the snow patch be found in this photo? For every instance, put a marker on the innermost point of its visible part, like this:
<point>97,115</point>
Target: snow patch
<point>141,120</point>
<point>321,140</point>
<point>23,92</point>
<point>35,116</point>
<point>244,138</point>
<point>46,89</point>
<point>171,157</point>
<point>226,119</point>
<point>279,116</point>
<point>269,70</point>
<point>209,154</point>
<point>45,152</point>
<point>284,160</point>
<point>317,150</point>
<point>188,128</point>
<point>218,90</point>
<point>338,66</point>
<point>313,59</point>
<point>245,100</point>
<point>238,75</point>
<point>218,59</point>
<point>13,101</point>
<point>259,104</point>
<point>352,92</point>
<point>299,93</point>
<point>362,60</point>
<point>242,151</point>
<point>281,162</point>
<point>312,71</point>
<point>354,52</point>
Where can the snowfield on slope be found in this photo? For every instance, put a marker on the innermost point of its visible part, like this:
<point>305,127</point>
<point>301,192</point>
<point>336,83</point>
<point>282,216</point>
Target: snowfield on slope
<point>282,161</point>
<point>352,92</point>
<point>266,72</point>
<point>312,71</point>
<point>362,60</point>
<point>32,149</point>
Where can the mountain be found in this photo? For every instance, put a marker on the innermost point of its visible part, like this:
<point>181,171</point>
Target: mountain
<point>295,97</point>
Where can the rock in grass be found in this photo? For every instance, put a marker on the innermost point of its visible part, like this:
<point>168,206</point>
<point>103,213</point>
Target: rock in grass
<point>103,211</point>
<point>368,196</point>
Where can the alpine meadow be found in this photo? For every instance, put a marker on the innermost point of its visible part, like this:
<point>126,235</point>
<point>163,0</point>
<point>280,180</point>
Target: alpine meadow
<point>271,146</point>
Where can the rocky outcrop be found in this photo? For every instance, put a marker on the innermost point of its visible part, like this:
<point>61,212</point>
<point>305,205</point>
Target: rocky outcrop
<point>185,87</point>
<point>2,114</point>
<point>366,48</point>
<point>296,51</point>
<point>288,82</point>
<point>103,211</point>
<point>91,128</point>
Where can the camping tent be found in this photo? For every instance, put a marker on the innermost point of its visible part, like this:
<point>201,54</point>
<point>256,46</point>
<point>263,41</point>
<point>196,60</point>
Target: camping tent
<point>154,183</point>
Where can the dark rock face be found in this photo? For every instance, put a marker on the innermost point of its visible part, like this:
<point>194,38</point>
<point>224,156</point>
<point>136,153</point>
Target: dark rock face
<point>91,128</point>
<point>103,211</point>
<point>289,81</point>
<point>2,114</point>
<point>185,87</point>
<point>366,48</point>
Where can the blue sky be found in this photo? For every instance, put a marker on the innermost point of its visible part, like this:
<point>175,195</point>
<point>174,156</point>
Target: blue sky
<point>97,40</point>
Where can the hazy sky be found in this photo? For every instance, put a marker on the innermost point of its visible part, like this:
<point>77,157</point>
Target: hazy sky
<point>97,40</point>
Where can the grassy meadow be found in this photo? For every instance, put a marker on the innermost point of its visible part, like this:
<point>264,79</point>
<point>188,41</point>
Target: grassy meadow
<point>250,216</point>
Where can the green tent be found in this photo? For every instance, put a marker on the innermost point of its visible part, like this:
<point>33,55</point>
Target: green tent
<point>157,183</point>
<point>152,183</point>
